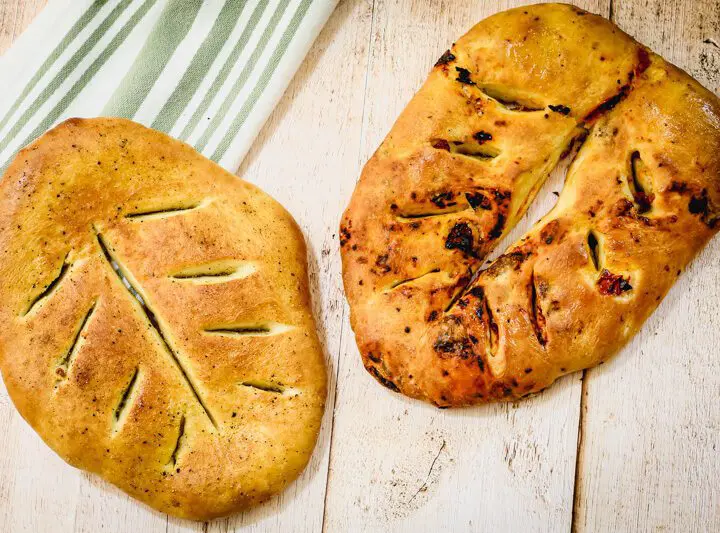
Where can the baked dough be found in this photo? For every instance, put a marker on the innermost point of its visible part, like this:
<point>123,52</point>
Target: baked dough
<point>461,165</point>
<point>156,320</point>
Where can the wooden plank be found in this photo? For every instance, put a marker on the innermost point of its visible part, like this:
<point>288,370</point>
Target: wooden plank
<point>305,158</point>
<point>398,464</point>
<point>651,424</point>
<point>15,16</point>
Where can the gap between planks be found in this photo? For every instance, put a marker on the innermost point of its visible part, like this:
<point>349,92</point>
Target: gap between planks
<point>580,454</point>
<point>582,418</point>
<point>368,56</point>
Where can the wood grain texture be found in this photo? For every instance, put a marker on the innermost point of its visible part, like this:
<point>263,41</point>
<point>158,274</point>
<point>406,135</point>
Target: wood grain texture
<point>15,15</point>
<point>650,421</point>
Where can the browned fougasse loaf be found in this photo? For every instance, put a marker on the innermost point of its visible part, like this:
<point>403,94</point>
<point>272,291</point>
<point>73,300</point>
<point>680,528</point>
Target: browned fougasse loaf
<point>458,169</point>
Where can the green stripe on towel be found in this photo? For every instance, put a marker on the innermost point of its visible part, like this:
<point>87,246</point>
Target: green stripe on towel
<point>243,77</point>
<point>199,66</point>
<point>80,84</point>
<point>263,81</point>
<point>69,37</point>
<point>170,29</point>
<point>64,72</point>
<point>225,70</point>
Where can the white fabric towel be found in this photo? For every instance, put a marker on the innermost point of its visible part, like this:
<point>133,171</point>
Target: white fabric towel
<point>208,72</point>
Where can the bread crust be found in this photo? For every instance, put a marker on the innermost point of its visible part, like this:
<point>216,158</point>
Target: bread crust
<point>459,168</point>
<point>199,391</point>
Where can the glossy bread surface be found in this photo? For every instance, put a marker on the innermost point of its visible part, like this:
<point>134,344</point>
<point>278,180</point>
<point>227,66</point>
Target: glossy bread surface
<point>156,319</point>
<point>460,166</point>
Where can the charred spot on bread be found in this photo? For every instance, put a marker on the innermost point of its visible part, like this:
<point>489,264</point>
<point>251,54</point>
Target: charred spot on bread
<point>453,340</point>
<point>611,284</point>
<point>440,144</point>
<point>443,199</point>
<point>464,76</point>
<point>345,235</point>
<point>644,201</point>
<point>385,382</point>
<point>698,204</point>
<point>445,345</point>
<point>460,238</point>
<point>500,390</point>
<point>477,292</point>
<point>678,187</point>
<point>478,200</point>
<point>382,263</point>
<point>609,104</point>
<point>623,208</point>
<point>562,109</point>
<point>446,58</point>
<point>498,228</point>
<point>482,136</point>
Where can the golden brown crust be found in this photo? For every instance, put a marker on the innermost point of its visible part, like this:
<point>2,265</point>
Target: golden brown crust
<point>461,165</point>
<point>203,396</point>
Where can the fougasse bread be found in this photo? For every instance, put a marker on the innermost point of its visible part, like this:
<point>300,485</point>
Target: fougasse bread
<point>459,168</point>
<point>156,326</point>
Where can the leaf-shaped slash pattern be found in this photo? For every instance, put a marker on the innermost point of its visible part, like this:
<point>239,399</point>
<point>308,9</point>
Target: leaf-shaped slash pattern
<point>123,275</point>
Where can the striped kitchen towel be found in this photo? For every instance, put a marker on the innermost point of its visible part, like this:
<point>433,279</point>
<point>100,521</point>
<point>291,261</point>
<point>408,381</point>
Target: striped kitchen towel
<point>208,72</point>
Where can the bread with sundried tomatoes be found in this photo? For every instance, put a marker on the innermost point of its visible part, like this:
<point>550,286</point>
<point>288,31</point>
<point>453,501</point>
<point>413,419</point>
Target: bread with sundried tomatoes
<point>460,167</point>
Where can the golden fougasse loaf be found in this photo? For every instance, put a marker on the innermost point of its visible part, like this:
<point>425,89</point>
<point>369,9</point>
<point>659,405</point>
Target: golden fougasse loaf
<point>156,320</point>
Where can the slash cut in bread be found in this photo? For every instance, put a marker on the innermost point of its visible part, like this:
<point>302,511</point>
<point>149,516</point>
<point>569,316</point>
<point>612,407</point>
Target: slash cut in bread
<point>498,112</point>
<point>156,325</point>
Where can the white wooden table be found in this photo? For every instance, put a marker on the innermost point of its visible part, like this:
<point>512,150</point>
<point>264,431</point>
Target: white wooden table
<point>630,446</point>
